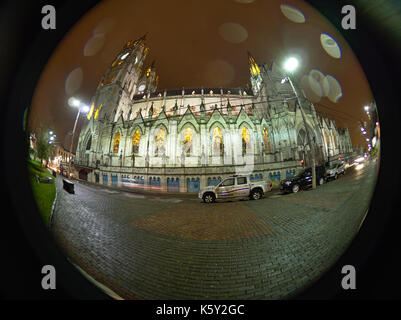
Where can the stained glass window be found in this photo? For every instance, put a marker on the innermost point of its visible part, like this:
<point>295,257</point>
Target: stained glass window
<point>327,140</point>
<point>160,137</point>
<point>217,141</point>
<point>97,111</point>
<point>116,143</point>
<point>266,139</point>
<point>188,136</point>
<point>135,141</point>
<point>246,140</point>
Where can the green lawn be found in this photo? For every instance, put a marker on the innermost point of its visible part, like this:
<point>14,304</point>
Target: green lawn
<point>44,193</point>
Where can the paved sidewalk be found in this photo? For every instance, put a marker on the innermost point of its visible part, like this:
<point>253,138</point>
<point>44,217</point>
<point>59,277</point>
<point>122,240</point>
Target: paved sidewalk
<point>150,247</point>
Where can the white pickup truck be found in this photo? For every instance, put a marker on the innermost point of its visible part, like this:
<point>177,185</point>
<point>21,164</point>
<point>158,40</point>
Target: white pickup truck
<point>235,187</point>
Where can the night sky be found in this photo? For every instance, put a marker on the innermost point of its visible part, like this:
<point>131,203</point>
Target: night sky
<point>195,44</point>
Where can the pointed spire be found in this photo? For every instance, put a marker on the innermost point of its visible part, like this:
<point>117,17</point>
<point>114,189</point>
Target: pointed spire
<point>144,36</point>
<point>253,67</point>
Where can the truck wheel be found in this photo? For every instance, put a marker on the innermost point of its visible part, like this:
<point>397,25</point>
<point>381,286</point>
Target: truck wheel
<point>256,194</point>
<point>208,197</point>
<point>295,188</point>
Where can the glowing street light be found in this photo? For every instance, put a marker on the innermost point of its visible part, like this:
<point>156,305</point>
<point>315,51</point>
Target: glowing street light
<point>291,65</point>
<point>73,102</point>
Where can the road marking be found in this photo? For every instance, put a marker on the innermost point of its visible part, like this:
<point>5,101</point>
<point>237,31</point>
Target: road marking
<point>274,196</point>
<point>139,196</point>
<point>167,200</point>
<point>110,191</point>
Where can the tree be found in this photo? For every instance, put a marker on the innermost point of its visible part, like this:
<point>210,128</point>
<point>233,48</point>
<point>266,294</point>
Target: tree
<point>43,147</point>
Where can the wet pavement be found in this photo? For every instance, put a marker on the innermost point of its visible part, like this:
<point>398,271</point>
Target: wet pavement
<point>172,247</point>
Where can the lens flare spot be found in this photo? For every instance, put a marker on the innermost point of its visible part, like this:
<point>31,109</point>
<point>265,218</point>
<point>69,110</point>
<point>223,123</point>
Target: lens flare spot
<point>104,26</point>
<point>330,45</point>
<point>321,78</point>
<point>220,72</point>
<point>335,90</point>
<point>311,88</point>
<point>293,14</point>
<point>94,45</point>
<point>73,81</point>
<point>233,32</point>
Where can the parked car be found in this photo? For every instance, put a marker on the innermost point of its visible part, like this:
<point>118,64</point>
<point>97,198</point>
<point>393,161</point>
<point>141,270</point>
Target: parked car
<point>303,180</point>
<point>235,187</point>
<point>335,170</point>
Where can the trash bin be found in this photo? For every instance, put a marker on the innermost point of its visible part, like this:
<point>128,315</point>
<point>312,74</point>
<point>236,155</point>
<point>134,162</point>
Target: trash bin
<point>68,186</point>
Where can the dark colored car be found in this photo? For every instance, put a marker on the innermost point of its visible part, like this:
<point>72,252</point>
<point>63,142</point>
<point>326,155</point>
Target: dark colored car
<point>303,180</point>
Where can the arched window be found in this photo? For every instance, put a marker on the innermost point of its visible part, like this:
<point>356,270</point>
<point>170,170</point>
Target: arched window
<point>135,141</point>
<point>327,140</point>
<point>160,139</point>
<point>266,139</point>
<point>217,141</point>
<point>187,143</point>
<point>116,143</point>
<point>246,140</point>
<point>89,143</point>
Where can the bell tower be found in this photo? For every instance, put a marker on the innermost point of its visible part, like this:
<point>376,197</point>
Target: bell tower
<point>148,81</point>
<point>256,78</point>
<point>118,85</point>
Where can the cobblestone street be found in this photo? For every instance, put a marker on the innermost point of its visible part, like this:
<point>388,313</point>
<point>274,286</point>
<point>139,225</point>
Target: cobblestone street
<point>172,247</point>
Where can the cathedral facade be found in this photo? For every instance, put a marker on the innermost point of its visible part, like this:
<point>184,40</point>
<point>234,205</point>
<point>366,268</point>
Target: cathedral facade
<point>183,140</point>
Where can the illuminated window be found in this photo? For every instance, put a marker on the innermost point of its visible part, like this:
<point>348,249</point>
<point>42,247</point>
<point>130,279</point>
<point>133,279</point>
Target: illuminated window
<point>266,139</point>
<point>135,141</point>
<point>97,111</point>
<point>110,78</point>
<point>116,143</point>
<point>160,137</point>
<point>188,135</point>
<point>254,67</point>
<point>327,140</point>
<point>217,141</point>
<point>246,140</point>
<point>91,111</point>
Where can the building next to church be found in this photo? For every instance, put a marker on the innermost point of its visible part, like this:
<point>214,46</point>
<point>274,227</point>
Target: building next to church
<point>186,139</point>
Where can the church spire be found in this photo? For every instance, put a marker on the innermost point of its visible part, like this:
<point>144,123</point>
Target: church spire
<point>253,66</point>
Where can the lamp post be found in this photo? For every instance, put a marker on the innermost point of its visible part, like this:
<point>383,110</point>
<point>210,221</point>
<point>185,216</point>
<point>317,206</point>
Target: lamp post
<point>73,102</point>
<point>290,65</point>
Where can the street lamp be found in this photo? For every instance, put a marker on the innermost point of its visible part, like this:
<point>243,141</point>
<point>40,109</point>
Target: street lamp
<point>73,102</point>
<point>290,65</point>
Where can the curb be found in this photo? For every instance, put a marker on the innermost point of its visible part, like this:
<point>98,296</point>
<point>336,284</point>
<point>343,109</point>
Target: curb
<point>101,286</point>
<point>53,206</point>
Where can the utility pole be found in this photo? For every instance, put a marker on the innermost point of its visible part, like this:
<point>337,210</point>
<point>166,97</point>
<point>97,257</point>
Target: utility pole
<point>307,135</point>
